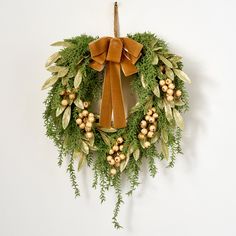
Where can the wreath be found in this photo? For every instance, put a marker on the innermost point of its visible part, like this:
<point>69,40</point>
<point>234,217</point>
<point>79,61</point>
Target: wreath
<point>89,68</point>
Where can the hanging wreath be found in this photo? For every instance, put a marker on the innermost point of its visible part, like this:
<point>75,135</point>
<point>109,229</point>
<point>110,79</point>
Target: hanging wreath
<point>88,69</point>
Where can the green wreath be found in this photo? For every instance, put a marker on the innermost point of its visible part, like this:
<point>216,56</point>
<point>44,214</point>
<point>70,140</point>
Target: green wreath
<point>154,124</point>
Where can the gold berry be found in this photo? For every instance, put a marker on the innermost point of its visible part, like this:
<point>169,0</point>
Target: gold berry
<point>79,121</point>
<point>141,136</point>
<point>115,148</point>
<point>64,102</point>
<point>122,156</point>
<point>109,158</point>
<point>147,144</point>
<point>121,147</point>
<point>170,91</point>
<point>86,104</point>
<point>120,140</point>
<point>113,171</point>
<point>87,129</point>
<point>170,98</point>
<point>155,115</point>
<point>147,117</point>
<point>144,131</point>
<point>178,93</point>
<point>82,126</point>
<point>152,120</point>
<point>152,128</point>
<point>143,124</point>
<point>168,81</point>
<point>164,88</point>
<point>84,112</point>
<point>72,96</point>
<point>62,92</point>
<point>112,162</point>
<point>89,125</point>
<point>149,112</point>
<point>162,82</point>
<point>171,86</point>
<point>89,135</point>
<point>91,119</point>
<point>150,134</point>
<point>117,159</point>
<point>111,151</point>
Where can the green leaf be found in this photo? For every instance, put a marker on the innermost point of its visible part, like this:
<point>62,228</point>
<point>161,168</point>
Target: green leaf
<point>82,161</point>
<point>164,150</point>
<point>62,72</point>
<point>164,135</point>
<point>62,44</point>
<point>166,61</point>
<point>105,138</point>
<point>66,117</point>
<point>78,79</point>
<point>168,110</point>
<point>156,90</point>
<point>53,58</point>
<point>155,60</point>
<point>181,75</point>
<point>178,119</point>
<point>49,82</point>
<point>79,103</point>
<point>84,147</point>
<point>59,110</point>
<point>170,74</point>
<point>136,154</point>
<point>123,164</point>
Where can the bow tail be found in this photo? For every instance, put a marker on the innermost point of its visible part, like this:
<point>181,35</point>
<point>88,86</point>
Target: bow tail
<point>112,98</point>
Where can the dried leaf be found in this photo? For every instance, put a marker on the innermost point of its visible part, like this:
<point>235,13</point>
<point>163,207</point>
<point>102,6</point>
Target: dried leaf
<point>136,154</point>
<point>79,103</point>
<point>179,102</point>
<point>76,153</point>
<point>156,90</point>
<point>62,72</point>
<point>143,82</point>
<point>82,161</point>
<point>164,135</point>
<point>66,117</point>
<point>181,75</point>
<point>166,61</point>
<point>123,164</point>
<point>64,81</point>
<point>170,74</point>
<point>62,44</point>
<point>59,110</point>
<point>54,69</point>
<point>107,130</point>
<point>168,110</point>
<point>53,58</point>
<point>154,139</point>
<point>130,150</point>
<point>164,150</point>
<point>49,82</point>
<point>178,119</point>
<point>156,49</point>
<point>84,147</point>
<point>105,138</point>
<point>175,58</point>
<point>78,79</point>
<point>155,60</point>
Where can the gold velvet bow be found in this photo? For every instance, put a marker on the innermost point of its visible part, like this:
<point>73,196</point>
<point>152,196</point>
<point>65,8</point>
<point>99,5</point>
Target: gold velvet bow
<point>116,54</point>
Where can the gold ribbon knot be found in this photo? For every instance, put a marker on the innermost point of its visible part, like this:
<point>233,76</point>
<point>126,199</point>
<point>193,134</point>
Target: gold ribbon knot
<point>115,54</point>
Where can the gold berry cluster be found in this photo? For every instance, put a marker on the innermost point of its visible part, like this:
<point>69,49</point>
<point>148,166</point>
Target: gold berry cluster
<point>85,121</point>
<point>68,96</point>
<point>169,89</point>
<point>116,156</point>
<point>148,127</point>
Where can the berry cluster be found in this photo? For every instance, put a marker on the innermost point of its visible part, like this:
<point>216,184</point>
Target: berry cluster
<point>116,156</point>
<point>68,96</point>
<point>85,121</point>
<point>148,127</point>
<point>169,89</point>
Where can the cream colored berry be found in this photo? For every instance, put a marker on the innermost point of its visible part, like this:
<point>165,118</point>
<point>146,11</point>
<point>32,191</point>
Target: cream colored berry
<point>117,159</point>
<point>121,147</point>
<point>168,81</point>
<point>112,162</point>
<point>178,93</point>
<point>153,109</point>
<point>141,136</point>
<point>117,164</point>
<point>152,120</point>
<point>144,131</point>
<point>109,158</point>
<point>87,129</point>
<point>72,96</point>
<point>155,115</point>
<point>147,144</point>
<point>170,91</point>
<point>149,112</point>
<point>115,148</point>
<point>150,134</point>
<point>120,140</point>
<point>164,88</point>
<point>152,128</point>
<point>91,119</point>
<point>91,114</point>
<point>62,92</point>
<point>64,102</point>
<point>122,156</point>
<point>147,117</point>
<point>89,124</point>
<point>84,112</point>
<point>111,151</point>
<point>82,126</point>
<point>171,86</point>
<point>170,98</point>
<point>86,104</point>
<point>79,121</point>
<point>143,124</point>
<point>113,171</point>
<point>162,82</point>
<point>89,135</point>
<point>81,115</point>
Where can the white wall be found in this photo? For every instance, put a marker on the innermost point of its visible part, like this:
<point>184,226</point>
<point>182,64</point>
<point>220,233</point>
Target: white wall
<point>195,198</point>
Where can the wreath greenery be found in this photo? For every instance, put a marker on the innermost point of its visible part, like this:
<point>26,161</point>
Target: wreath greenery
<point>154,124</point>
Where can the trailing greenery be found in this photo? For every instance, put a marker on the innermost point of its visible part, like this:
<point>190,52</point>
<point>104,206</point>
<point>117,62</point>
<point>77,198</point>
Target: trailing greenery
<point>71,74</point>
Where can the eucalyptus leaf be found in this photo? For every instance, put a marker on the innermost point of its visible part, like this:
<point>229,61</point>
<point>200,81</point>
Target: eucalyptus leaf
<point>156,90</point>
<point>178,119</point>
<point>165,150</point>
<point>82,161</point>
<point>66,117</point>
<point>179,102</point>
<point>155,60</point>
<point>60,110</point>
<point>62,72</point>
<point>84,147</point>
<point>49,82</point>
<point>136,154</point>
<point>64,81</point>
<point>62,44</point>
<point>78,79</point>
<point>164,135</point>
<point>123,164</point>
<point>53,58</point>
<point>166,61</point>
<point>76,153</point>
<point>154,139</point>
<point>181,75</point>
<point>130,150</point>
<point>170,74</point>
<point>143,82</point>
<point>168,111</point>
<point>156,49</point>
<point>54,69</point>
<point>107,130</point>
<point>105,138</point>
<point>79,103</point>
<point>175,58</point>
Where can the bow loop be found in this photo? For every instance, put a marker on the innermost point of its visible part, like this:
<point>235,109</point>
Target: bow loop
<point>116,54</point>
